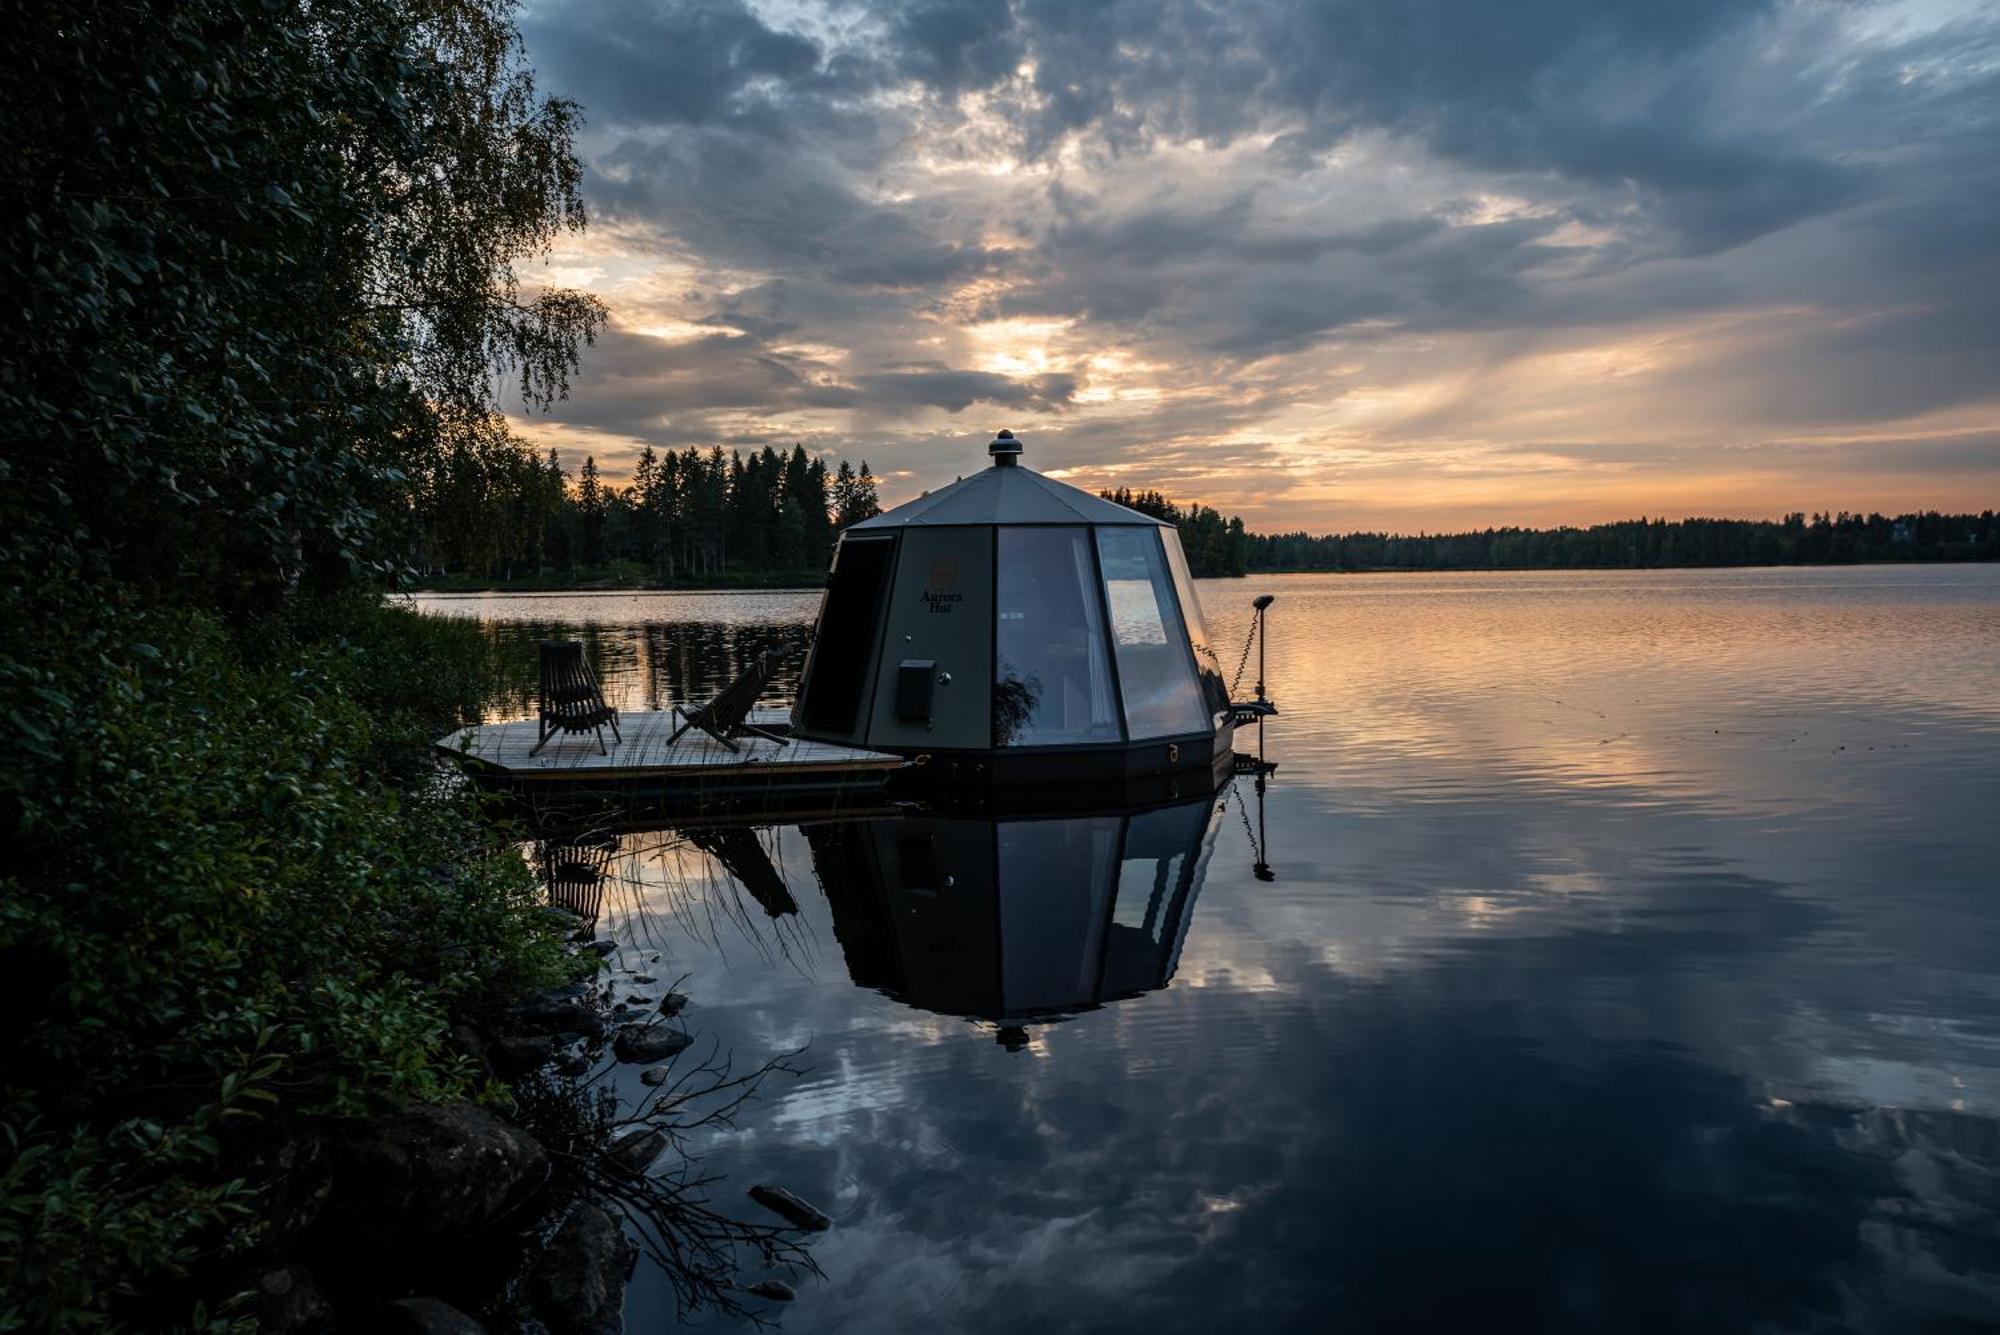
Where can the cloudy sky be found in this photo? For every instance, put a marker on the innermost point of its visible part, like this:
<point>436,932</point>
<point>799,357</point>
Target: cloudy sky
<point>1353,263</point>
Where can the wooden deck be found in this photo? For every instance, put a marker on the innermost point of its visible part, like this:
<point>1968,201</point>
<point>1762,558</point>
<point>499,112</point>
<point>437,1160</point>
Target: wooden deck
<point>697,762</point>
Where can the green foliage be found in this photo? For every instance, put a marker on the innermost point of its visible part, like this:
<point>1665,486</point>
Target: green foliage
<point>687,516</point>
<point>260,271</point>
<point>260,265</point>
<point>217,906</point>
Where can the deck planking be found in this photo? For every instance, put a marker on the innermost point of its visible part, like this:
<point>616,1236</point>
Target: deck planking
<point>502,749</point>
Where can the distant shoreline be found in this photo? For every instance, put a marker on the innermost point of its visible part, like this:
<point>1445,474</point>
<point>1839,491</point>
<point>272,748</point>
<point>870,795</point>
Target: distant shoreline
<point>812,582</point>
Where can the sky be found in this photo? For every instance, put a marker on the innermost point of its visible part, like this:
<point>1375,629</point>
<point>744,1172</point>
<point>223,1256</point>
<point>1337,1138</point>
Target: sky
<point>1344,265</point>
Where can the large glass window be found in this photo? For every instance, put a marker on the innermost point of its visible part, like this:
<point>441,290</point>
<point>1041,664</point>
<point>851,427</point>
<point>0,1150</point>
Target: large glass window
<point>1154,672</point>
<point>1214,690</point>
<point>1157,882</point>
<point>1056,881</point>
<point>1051,670</point>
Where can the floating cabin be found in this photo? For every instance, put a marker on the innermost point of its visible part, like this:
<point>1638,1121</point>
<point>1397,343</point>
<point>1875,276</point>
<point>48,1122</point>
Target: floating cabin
<point>1015,921</point>
<point>1009,628</point>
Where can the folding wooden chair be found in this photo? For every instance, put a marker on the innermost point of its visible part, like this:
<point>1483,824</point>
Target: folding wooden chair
<point>572,701</point>
<point>725,717</point>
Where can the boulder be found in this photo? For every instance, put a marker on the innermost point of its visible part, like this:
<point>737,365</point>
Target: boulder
<point>656,1075</point>
<point>515,1054</point>
<point>290,1168</point>
<point>286,1301</point>
<point>633,1153</point>
<point>561,1010</point>
<point>429,1316</point>
<point>431,1175</point>
<point>794,1211</point>
<point>577,1286</point>
<point>601,949</point>
<point>673,1004</point>
<point>648,1042</point>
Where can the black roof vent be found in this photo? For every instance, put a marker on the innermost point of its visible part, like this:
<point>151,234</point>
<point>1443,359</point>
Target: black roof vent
<point>1006,450</point>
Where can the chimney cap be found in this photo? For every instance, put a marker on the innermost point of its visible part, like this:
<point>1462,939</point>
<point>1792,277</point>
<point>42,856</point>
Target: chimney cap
<point>1005,449</point>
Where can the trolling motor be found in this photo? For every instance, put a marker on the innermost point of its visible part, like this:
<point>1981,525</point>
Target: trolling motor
<point>1255,767</point>
<point>1262,707</point>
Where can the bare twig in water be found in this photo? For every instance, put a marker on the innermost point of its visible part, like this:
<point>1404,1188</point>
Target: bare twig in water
<point>701,1249</point>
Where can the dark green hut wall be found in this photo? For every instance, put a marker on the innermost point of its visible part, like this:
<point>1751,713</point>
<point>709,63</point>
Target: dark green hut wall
<point>940,610</point>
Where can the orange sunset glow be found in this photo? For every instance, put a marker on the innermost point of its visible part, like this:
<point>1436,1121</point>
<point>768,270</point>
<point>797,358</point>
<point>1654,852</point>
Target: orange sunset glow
<point>1561,265</point>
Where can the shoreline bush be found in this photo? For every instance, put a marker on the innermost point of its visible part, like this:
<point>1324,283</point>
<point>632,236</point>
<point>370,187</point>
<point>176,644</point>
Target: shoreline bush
<point>231,897</point>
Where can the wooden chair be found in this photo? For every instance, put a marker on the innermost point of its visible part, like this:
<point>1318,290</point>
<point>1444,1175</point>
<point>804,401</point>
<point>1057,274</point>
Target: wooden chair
<point>725,717</point>
<point>572,701</point>
<point>574,870</point>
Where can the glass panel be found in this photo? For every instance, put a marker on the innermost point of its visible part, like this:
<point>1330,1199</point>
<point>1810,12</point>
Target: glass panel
<point>1214,688</point>
<point>1055,884</point>
<point>1156,888</point>
<point>1161,697</point>
<point>850,621</point>
<point>1051,667</point>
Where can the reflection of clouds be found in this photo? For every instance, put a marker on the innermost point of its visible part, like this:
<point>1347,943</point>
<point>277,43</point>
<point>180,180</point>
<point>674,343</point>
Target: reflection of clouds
<point>1548,1118</point>
<point>1521,1038</point>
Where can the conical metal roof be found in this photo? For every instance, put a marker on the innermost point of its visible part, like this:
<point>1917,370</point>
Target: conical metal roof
<point>1006,494</point>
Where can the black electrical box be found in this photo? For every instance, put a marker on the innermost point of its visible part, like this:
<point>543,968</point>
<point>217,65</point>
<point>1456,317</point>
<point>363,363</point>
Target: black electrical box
<point>916,680</point>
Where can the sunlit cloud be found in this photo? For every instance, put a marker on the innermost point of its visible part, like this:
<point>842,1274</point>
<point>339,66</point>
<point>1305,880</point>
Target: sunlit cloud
<point>1579,263</point>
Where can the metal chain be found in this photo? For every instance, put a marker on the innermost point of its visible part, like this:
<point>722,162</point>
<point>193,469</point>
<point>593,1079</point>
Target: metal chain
<point>1249,831</point>
<point>1244,661</point>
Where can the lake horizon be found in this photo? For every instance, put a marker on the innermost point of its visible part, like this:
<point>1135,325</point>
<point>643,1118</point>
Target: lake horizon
<point>1627,959</point>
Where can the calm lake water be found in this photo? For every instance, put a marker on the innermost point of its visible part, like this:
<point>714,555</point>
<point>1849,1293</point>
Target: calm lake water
<point>1630,959</point>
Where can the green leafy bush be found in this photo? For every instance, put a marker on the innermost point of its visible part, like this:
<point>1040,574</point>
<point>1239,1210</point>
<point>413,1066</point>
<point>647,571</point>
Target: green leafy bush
<point>231,893</point>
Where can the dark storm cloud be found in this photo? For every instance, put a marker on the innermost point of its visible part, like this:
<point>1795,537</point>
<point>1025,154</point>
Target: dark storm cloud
<point>941,387</point>
<point>660,64</point>
<point>738,199</point>
<point>1205,187</point>
<point>669,391</point>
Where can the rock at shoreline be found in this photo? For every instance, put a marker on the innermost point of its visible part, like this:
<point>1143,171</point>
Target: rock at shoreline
<point>656,1075</point>
<point>432,1175</point>
<point>633,1153</point>
<point>514,1055</point>
<point>430,1316</point>
<point>791,1209</point>
<point>601,949</point>
<point>673,1004</point>
<point>648,1042</point>
<point>644,978</point>
<point>774,1289</point>
<point>578,1285</point>
<point>289,1166</point>
<point>561,1010</point>
<point>286,1301</point>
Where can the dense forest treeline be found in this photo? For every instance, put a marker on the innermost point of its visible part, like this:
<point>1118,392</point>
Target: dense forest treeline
<point>706,515</point>
<point>1219,547</point>
<point>504,512</point>
<point>1823,539</point>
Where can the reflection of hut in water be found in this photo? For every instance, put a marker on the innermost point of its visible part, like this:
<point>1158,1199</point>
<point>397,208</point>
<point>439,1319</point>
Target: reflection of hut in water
<point>574,870</point>
<point>742,855</point>
<point>1014,921</point>
<point>1011,626</point>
